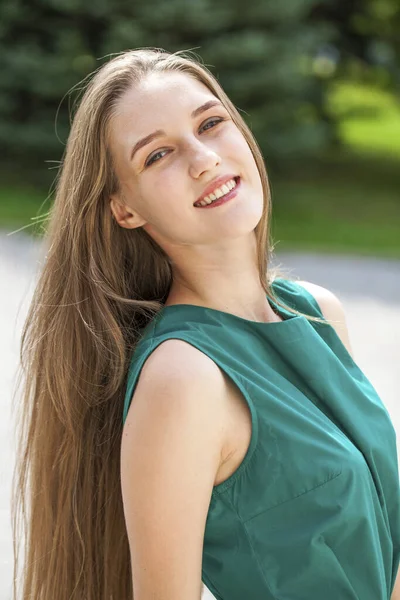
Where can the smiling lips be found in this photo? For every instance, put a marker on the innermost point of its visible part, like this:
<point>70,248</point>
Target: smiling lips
<point>219,187</point>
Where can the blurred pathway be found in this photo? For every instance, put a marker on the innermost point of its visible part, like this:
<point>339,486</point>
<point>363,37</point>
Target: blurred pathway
<point>369,289</point>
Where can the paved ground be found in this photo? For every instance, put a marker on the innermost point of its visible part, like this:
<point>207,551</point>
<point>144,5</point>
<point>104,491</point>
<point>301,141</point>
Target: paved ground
<point>368,288</point>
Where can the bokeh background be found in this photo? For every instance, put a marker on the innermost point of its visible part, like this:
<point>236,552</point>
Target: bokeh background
<point>318,83</point>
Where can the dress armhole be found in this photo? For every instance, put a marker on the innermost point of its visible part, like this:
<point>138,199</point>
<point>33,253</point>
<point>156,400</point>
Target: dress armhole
<point>305,300</point>
<point>311,301</point>
<point>237,381</point>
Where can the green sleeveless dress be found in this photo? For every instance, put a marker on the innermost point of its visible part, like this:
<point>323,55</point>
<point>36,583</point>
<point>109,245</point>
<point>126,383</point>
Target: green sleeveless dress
<point>313,511</point>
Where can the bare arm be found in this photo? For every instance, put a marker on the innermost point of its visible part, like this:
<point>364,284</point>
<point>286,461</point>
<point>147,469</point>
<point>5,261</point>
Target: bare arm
<point>171,450</point>
<point>396,590</point>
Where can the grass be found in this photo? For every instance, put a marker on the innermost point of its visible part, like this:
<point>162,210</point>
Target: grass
<point>350,202</point>
<point>346,204</point>
<point>20,205</point>
<point>347,201</point>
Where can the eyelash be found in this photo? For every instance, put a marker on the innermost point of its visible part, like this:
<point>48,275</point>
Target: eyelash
<point>150,161</point>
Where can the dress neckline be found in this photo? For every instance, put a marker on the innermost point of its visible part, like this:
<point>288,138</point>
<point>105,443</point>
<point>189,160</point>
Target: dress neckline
<point>190,309</point>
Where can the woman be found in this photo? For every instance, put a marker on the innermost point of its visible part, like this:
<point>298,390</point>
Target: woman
<point>189,414</point>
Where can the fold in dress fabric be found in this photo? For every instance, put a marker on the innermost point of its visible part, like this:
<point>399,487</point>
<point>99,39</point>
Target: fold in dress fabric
<point>313,510</point>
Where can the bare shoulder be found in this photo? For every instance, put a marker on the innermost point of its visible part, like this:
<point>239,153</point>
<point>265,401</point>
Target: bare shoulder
<point>332,309</point>
<point>179,370</point>
<point>176,359</point>
<point>171,451</point>
<point>326,299</point>
<point>180,383</point>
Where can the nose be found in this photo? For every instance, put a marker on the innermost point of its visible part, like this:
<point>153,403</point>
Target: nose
<point>202,158</point>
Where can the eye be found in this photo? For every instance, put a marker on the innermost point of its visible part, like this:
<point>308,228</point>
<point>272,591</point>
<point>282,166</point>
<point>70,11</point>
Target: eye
<point>151,160</point>
<point>212,121</point>
<point>152,157</point>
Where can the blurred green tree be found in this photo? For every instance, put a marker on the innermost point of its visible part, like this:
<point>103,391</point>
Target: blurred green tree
<point>262,52</point>
<point>367,34</point>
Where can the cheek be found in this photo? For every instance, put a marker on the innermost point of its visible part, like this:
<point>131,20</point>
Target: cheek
<point>166,201</point>
<point>249,160</point>
<point>167,190</point>
<point>237,146</point>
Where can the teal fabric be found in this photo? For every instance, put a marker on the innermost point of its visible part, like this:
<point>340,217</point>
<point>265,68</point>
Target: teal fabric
<point>313,511</point>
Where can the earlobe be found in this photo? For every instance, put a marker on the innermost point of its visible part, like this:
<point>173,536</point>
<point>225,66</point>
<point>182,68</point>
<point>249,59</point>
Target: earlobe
<point>124,215</point>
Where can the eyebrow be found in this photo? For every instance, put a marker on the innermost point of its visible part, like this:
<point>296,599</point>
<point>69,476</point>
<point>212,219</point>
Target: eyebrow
<point>160,132</point>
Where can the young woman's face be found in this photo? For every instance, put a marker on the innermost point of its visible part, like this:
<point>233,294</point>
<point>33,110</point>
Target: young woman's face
<point>162,180</point>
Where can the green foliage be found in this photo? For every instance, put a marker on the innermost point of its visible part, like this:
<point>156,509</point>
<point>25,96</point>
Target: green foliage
<point>367,37</point>
<point>260,51</point>
<point>368,118</point>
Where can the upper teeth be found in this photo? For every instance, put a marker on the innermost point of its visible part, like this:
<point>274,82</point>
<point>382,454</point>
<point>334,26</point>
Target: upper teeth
<point>217,193</point>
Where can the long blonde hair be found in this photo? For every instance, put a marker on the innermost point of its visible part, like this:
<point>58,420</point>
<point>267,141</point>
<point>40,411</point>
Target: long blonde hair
<point>98,285</point>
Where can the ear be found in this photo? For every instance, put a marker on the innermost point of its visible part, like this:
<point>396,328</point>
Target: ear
<point>123,214</point>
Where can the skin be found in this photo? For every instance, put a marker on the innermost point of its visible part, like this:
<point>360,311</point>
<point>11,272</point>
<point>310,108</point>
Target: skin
<point>182,400</point>
<point>211,249</point>
<point>396,590</point>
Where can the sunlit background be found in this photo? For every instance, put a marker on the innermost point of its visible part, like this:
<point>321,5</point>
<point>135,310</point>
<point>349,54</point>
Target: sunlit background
<point>317,81</point>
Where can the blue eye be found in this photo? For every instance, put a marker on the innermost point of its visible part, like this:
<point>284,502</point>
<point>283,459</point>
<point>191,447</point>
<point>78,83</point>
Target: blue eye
<point>151,160</point>
<point>212,121</point>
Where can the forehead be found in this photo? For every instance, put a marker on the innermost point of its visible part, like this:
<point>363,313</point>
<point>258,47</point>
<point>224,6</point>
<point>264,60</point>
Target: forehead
<point>156,102</point>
